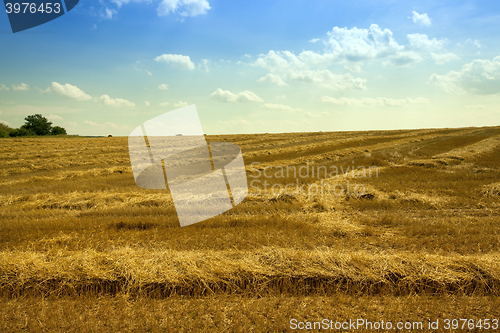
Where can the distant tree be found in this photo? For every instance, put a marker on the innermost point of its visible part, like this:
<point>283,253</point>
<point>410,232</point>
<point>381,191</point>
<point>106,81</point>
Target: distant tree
<point>57,130</point>
<point>21,132</point>
<point>37,124</point>
<point>5,130</point>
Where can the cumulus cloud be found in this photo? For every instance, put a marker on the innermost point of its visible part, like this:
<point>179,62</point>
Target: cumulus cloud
<point>273,78</point>
<point>147,103</point>
<point>69,91</point>
<point>314,40</point>
<point>164,104</point>
<point>5,123</point>
<point>228,97</point>
<point>163,86</point>
<point>480,77</point>
<point>177,60</point>
<point>443,57</point>
<point>183,7</point>
<point>4,87</point>
<point>290,67</point>
<point>421,19</point>
<point>349,48</point>
<point>280,107</point>
<point>22,86</point>
<point>378,101</point>
<point>180,104</point>
<point>115,102</point>
<point>422,41</point>
<point>362,44</point>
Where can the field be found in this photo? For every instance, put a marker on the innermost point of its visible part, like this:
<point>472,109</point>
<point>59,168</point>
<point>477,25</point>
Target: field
<point>381,225</point>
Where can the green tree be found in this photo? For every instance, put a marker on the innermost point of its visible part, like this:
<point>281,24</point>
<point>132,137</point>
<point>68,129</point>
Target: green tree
<point>21,132</point>
<point>58,130</point>
<point>37,124</point>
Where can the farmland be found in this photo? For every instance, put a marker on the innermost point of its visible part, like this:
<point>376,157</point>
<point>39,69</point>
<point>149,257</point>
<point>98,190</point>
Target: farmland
<point>416,236</point>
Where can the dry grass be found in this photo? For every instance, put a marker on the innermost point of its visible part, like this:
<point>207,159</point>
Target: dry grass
<point>230,313</point>
<point>74,226</point>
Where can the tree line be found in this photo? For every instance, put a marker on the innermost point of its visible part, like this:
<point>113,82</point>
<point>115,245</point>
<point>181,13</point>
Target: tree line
<point>34,125</point>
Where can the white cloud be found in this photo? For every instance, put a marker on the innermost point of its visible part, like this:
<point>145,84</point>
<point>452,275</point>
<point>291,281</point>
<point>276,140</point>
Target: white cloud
<point>68,90</point>
<point>107,13</point>
<point>325,78</point>
<point>163,86</point>
<point>481,77</point>
<point>314,40</point>
<point>404,58</point>
<point>280,96</point>
<point>474,42</point>
<point>228,97</point>
<point>106,125</point>
<point>147,103</point>
<point>378,101</point>
<point>288,66</point>
<point>273,78</point>
<point>120,3</point>
<point>443,58</point>
<point>180,104</point>
<point>54,117</point>
<point>164,104</point>
<point>5,123</point>
<point>421,41</point>
<point>316,115</point>
<point>281,107</point>
<point>177,60</point>
<point>183,7</point>
<point>22,86</point>
<point>347,47</point>
<point>115,102</point>
<point>143,70</point>
<point>421,19</point>
<point>204,64</point>
<point>362,44</point>
<point>4,87</point>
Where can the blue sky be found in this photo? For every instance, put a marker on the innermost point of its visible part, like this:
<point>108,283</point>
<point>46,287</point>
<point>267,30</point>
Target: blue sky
<point>259,66</point>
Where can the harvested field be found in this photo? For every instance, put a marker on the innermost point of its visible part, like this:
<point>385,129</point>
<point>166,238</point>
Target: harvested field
<point>399,225</point>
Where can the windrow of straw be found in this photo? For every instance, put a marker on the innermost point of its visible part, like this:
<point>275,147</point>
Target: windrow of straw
<point>164,273</point>
<point>473,150</point>
<point>78,200</point>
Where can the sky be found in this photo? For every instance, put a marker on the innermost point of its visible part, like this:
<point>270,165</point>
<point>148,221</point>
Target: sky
<point>257,66</point>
